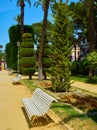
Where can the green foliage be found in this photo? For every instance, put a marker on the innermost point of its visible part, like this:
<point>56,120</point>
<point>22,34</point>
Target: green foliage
<point>47,61</point>
<point>26,35</point>
<point>27,56</point>
<point>61,74</point>
<point>80,17</point>
<point>24,52</point>
<point>14,66</point>
<point>13,57</point>
<point>9,58</point>
<point>84,69</point>
<point>93,81</point>
<point>14,36</point>
<point>79,67</point>
<point>91,60</point>
<point>38,27</point>
<point>28,71</point>
<point>62,34</point>
<point>24,43</point>
<point>29,61</point>
<point>75,67</point>
<point>7,51</point>
<point>47,51</point>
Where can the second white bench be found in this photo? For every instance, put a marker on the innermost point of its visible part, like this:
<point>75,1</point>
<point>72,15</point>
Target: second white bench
<point>16,79</point>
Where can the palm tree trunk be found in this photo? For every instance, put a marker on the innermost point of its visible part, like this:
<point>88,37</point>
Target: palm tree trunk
<point>22,5</point>
<point>41,50</point>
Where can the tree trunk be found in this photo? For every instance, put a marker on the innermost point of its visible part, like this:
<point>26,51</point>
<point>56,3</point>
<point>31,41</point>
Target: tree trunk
<point>30,77</point>
<point>22,5</point>
<point>91,31</point>
<point>41,50</point>
<point>44,73</point>
<point>90,74</point>
<point>75,52</point>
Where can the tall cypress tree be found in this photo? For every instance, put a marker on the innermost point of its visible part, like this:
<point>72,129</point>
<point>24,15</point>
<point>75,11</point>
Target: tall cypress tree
<point>7,51</point>
<point>62,35</point>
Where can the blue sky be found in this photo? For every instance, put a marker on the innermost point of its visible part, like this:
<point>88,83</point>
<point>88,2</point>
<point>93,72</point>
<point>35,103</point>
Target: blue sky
<point>9,9</point>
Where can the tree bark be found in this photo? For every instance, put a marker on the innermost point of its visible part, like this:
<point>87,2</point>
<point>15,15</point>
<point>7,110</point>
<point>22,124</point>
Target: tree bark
<point>90,74</point>
<point>22,5</point>
<point>42,43</point>
<point>91,27</point>
<point>91,32</point>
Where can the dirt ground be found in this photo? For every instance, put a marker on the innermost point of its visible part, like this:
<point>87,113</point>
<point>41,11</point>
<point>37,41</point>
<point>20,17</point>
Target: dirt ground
<point>12,114</point>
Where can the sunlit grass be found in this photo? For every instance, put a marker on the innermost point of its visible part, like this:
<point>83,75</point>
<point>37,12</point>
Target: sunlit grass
<point>73,118</point>
<point>64,110</point>
<point>80,78</point>
<point>30,84</point>
<point>84,79</point>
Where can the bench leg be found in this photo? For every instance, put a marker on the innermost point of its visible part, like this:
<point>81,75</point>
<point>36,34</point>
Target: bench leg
<point>32,120</point>
<point>38,120</point>
<point>45,116</point>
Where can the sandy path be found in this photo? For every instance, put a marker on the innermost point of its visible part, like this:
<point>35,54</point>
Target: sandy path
<point>11,112</point>
<point>85,86</point>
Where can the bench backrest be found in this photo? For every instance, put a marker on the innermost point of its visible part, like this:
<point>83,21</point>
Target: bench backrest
<point>18,77</point>
<point>42,100</point>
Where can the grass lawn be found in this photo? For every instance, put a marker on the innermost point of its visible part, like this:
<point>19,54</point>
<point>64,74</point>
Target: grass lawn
<point>80,78</point>
<point>30,84</point>
<point>73,118</point>
<point>84,79</point>
<point>66,112</point>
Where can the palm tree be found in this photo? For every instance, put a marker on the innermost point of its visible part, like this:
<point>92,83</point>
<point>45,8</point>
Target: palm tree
<point>45,5</point>
<point>21,3</point>
<point>17,19</point>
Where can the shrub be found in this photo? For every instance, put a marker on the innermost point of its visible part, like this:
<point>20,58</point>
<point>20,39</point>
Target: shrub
<point>27,55</point>
<point>75,67</point>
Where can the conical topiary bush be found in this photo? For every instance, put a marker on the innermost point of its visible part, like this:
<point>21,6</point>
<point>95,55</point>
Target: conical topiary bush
<point>27,55</point>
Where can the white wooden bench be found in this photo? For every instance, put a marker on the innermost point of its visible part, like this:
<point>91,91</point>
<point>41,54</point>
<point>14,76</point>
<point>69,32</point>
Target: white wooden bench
<point>37,105</point>
<point>16,79</point>
<point>10,72</point>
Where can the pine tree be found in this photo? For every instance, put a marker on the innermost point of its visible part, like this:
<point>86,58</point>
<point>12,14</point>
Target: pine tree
<point>62,35</point>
